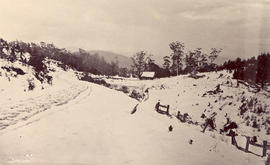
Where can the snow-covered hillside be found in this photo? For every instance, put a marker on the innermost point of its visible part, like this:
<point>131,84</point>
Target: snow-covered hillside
<point>213,92</point>
<point>76,122</point>
<point>98,129</point>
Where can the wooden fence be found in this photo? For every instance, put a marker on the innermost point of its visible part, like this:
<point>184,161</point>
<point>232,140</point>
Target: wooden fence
<point>183,118</point>
<point>159,108</point>
<point>264,145</point>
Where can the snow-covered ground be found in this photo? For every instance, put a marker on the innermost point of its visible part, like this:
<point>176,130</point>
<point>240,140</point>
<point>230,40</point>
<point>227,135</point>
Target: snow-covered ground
<point>197,97</point>
<point>97,128</point>
<point>85,123</point>
<point>18,103</point>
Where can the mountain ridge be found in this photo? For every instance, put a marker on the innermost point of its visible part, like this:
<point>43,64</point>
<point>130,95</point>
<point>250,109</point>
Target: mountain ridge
<point>109,56</point>
<point>126,62</point>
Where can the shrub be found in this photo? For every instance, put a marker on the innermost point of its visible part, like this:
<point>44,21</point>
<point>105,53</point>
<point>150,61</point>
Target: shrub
<point>124,89</point>
<point>136,95</point>
<point>49,79</point>
<point>37,62</point>
<point>87,78</point>
<point>93,80</point>
<point>100,82</point>
<point>195,76</point>
<point>255,124</point>
<point>243,108</point>
<point>17,70</point>
<point>31,85</point>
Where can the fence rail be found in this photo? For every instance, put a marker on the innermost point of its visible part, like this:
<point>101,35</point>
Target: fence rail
<point>249,142</point>
<point>264,145</point>
<point>159,108</point>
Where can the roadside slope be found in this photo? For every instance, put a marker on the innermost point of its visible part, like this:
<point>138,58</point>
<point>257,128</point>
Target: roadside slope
<point>100,130</point>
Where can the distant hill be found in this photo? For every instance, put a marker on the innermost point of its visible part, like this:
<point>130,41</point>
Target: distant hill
<point>124,61</point>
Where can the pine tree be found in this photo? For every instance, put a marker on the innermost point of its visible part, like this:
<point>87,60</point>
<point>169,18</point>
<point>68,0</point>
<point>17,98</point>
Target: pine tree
<point>263,71</point>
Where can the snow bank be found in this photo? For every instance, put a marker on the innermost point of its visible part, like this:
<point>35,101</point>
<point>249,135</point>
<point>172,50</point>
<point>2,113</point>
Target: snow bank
<point>98,129</point>
<point>237,102</point>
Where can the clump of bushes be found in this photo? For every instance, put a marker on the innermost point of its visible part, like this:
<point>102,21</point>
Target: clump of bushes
<point>17,70</point>
<point>87,78</point>
<point>195,76</point>
<point>255,124</point>
<point>100,82</point>
<point>94,80</point>
<point>43,77</point>
<point>136,95</point>
<point>243,108</point>
<point>49,79</point>
<point>124,89</point>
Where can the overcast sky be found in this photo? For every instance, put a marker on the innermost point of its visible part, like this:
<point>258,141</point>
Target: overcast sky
<point>239,27</point>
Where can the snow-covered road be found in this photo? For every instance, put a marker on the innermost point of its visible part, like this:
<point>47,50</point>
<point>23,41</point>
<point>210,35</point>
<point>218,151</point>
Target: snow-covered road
<point>97,128</point>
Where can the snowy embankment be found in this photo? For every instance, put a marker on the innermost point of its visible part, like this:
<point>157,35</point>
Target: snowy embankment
<point>96,127</point>
<point>241,104</point>
<point>212,93</point>
<point>87,131</point>
<point>19,103</point>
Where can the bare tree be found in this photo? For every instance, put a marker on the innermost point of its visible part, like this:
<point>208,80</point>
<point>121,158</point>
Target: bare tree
<point>214,54</point>
<point>139,62</point>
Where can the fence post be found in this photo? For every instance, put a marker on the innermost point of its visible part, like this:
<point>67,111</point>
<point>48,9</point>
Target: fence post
<point>185,117</point>
<point>234,141</point>
<point>178,115</point>
<point>247,144</point>
<point>264,148</point>
<point>157,106</point>
<point>168,106</point>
